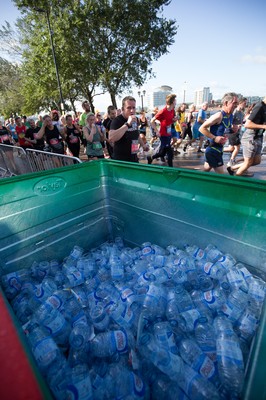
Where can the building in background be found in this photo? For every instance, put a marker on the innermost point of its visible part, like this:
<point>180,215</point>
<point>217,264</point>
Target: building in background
<point>156,98</point>
<point>202,95</point>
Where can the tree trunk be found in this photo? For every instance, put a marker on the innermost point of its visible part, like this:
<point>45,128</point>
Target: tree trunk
<point>113,99</point>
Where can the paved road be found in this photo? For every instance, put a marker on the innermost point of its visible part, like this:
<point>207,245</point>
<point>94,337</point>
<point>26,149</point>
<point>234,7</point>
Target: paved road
<point>193,160</point>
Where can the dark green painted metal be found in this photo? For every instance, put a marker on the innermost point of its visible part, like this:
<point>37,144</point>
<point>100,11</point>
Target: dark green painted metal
<point>44,214</point>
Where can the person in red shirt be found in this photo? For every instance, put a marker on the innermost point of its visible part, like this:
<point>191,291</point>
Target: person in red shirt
<point>166,117</point>
<point>21,130</point>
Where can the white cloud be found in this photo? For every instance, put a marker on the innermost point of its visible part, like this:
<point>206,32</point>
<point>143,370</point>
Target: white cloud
<point>254,59</point>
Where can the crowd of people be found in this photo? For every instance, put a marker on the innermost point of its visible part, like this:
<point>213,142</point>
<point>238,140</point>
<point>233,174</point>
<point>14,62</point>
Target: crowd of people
<point>120,134</point>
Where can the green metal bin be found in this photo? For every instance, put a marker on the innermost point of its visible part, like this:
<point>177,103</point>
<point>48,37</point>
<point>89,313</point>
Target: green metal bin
<point>43,215</point>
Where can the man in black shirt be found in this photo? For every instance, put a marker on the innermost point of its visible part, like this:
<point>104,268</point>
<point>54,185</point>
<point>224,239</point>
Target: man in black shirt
<point>38,144</point>
<point>124,132</point>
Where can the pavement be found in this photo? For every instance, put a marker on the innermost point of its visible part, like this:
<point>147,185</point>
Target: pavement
<point>194,161</point>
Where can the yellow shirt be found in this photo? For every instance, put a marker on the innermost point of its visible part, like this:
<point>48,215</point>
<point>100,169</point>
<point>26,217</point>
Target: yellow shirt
<point>180,122</point>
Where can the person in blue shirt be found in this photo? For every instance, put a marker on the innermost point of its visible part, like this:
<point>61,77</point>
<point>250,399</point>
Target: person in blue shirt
<point>216,129</point>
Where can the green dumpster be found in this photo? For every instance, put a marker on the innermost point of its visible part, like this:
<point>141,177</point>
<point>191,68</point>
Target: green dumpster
<point>43,215</point>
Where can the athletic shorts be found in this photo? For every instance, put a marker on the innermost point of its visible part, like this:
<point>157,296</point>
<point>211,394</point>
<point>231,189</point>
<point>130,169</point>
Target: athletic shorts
<point>251,147</point>
<point>234,140</point>
<point>175,134</point>
<point>214,157</point>
<point>196,133</point>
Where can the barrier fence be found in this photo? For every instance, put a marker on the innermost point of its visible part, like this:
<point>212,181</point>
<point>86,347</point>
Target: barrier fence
<point>16,161</point>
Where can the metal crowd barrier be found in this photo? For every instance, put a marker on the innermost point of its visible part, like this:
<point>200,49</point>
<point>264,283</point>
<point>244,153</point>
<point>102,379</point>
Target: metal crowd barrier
<point>43,160</point>
<point>13,161</point>
<point>16,161</point>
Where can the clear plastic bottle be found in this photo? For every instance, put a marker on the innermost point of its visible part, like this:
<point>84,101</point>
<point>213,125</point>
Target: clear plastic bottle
<point>43,347</point>
<point>178,300</point>
<point>99,317</point>
<point>195,386</point>
<point>129,385</point>
<point>80,335</point>
<point>79,386</point>
<point>108,343</point>
<point>155,301</point>
<point>187,319</point>
<point>164,360</point>
<point>205,337</point>
<point>193,355</point>
<point>235,304</point>
<point>195,251</point>
<point>213,253</point>
<point>229,356</point>
<point>117,268</point>
<point>163,333</point>
<point>55,323</point>
<point>214,270</point>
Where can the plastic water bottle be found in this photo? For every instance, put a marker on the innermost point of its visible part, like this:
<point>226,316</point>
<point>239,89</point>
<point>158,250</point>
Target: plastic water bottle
<point>74,277</point>
<point>257,291</point>
<point>205,337</point>
<point>99,317</point>
<point>13,281</point>
<point>178,300</point>
<point>195,251</point>
<point>187,319</point>
<point>235,304</point>
<point>43,347</point>
<point>193,355</point>
<point>117,268</point>
<point>235,278</point>
<point>129,385</point>
<point>214,299</point>
<point>213,253</point>
<point>215,270</point>
<point>195,386</point>
<point>73,312</point>
<point>40,270</point>
<point>155,301</point>
<point>248,324</point>
<point>227,261</point>
<point>163,333</point>
<point>80,335</point>
<point>229,356</point>
<point>121,314</point>
<point>79,386</point>
<point>108,343</point>
<point>52,320</point>
<point>164,360</point>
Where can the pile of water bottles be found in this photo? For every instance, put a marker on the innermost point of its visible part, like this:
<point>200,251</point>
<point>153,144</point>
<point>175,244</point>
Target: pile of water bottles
<point>139,323</point>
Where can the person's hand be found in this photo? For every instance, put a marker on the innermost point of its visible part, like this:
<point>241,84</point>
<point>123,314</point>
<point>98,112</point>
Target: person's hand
<point>220,139</point>
<point>132,118</point>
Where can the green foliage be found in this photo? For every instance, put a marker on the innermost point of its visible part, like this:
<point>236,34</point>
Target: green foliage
<point>100,45</point>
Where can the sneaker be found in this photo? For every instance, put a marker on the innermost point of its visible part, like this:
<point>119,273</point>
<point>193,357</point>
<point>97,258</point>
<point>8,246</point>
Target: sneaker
<point>230,171</point>
<point>184,149</point>
<point>200,151</point>
<point>177,152</point>
<point>149,159</point>
<point>163,159</point>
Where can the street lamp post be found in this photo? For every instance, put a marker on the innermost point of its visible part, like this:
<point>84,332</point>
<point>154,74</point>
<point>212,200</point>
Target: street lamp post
<point>141,95</point>
<point>46,12</point>
<point>184,93</point>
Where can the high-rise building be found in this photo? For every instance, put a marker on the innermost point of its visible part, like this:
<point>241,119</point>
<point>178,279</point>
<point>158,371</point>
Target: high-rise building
<point>156,98</point>
<point>202,95</point>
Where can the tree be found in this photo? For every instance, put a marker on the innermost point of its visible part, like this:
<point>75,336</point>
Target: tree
<point>11,102</point>
<point>100,45</point>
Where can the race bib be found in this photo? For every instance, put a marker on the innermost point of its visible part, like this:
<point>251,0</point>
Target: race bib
<point>54,141</point>
<point>73,139</point>
<point>134,146</point>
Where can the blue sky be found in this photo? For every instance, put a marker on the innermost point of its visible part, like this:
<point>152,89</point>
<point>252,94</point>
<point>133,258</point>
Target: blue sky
<point>221,45</point>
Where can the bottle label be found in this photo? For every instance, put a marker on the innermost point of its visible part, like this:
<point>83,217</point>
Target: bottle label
<point>126,294</point>
<point>55,301</point>
<point>120,341</point>
<point>209,297</point>
<point>207,268</point>
<point>207,368</point>
<point>138,385</point>
<point>42,350</point>
<point>199,254</point>
<point>80,390</point>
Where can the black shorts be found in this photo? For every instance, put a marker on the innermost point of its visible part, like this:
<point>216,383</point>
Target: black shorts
<point>234,140</point>
<point>214,157</point>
